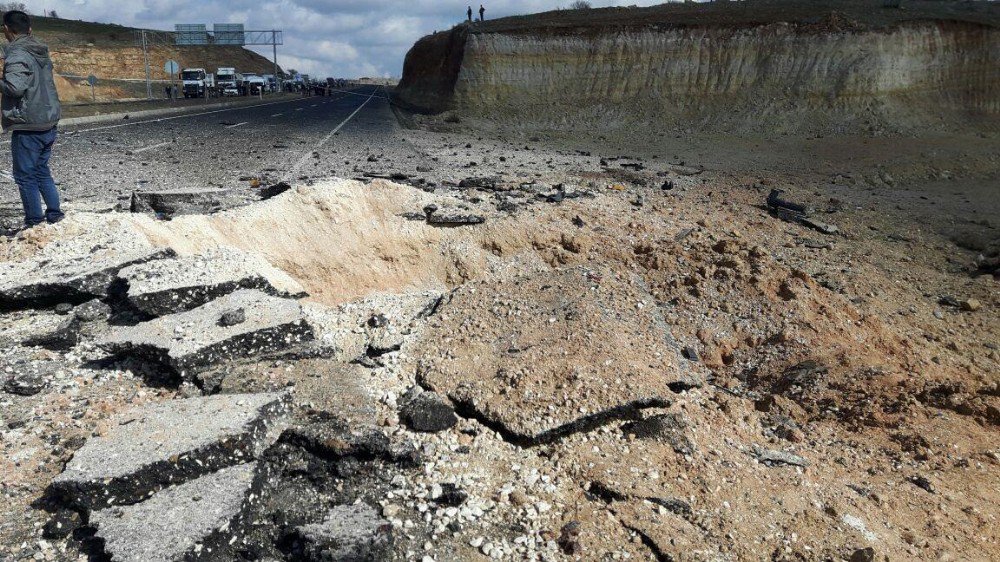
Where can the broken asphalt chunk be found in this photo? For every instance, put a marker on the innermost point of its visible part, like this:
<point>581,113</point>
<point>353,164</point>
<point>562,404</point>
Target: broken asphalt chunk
<point>428,412</point>
<point>451,216</point>
<point>196,520</point>
<point>158,445</point>
<point>76,279</point>
<point>174,285</point>
<point>174,202</point>
<point>194,339</point>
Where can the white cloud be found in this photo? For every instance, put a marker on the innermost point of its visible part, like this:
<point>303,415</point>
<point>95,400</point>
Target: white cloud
<point>322,37</point>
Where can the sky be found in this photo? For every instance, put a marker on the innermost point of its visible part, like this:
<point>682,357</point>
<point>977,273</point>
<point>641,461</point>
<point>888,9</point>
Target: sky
<point>342,38</point>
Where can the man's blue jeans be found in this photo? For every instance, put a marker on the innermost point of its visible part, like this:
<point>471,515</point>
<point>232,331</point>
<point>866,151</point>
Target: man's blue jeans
<point>31,151</point>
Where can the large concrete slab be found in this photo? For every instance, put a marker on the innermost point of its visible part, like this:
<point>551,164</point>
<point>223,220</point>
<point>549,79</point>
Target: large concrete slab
<point>197,520</point>
<point>169,286</point>
<point>68,278</point>
<point>552,353</point>
<point>158,445</point>
<point>201,337</point>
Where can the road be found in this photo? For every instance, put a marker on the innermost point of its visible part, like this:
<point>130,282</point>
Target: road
<point>282,140</point>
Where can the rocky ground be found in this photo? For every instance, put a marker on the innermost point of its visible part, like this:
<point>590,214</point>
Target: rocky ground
<point>518,348</point>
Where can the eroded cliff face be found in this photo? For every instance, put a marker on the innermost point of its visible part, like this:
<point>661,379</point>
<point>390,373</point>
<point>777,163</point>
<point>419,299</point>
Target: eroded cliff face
<point>775,78</point>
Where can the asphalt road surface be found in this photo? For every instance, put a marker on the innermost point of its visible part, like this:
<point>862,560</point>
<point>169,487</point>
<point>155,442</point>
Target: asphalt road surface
<point>287,139</point>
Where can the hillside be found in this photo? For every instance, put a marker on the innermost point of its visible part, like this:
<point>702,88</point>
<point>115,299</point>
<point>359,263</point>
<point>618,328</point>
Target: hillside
<point>108,52</point>
<point>749,67</point>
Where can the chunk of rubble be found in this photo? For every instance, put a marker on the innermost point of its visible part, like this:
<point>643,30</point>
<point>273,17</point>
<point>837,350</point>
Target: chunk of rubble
<point>158,445</point>
<point>348,532</point>
<point>86,322</point>
<point>189,201</point>
<point>772,457</point>
<point>428,412</point>
<point>487,183</point>
<point>73,279</point>
<point>451,216</point>
<point>194,339</point>
<point>197,520</point>
<point>26,383</point>
<point>553,353</point>
<point>169,286</point>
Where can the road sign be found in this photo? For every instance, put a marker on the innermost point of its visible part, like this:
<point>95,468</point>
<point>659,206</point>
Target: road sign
<point>92,80</point>
<point>171,67</point>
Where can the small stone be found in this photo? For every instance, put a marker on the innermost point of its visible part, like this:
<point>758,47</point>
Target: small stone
<point>233,317</point>
<point>517,497</point>
<point>92,311</point>
<point>970,305</point>
<point>64,308</point>
<point>450,495</point>
<point>428,412</point>
<point>866,554</point>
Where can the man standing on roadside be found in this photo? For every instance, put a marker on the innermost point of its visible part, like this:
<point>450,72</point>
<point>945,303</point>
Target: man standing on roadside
<point>482,11</point>
<point>31,112</point>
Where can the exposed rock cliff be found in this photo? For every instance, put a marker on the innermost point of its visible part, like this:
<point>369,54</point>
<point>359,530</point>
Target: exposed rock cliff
<point>832,75</point>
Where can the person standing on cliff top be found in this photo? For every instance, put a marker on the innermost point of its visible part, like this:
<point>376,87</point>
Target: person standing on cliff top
<point>31,111</point>
<point>482,11</point>
<point>469,12</point>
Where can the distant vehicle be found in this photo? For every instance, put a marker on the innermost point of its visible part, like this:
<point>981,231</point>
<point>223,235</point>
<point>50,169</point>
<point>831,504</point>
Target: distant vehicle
<point>227,81</point>
<point>271,83</point>
<point>197,83</point>
<point>253,84</point>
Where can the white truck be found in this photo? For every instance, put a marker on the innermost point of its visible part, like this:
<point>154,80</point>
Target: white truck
<point>196,83</point>
<point>227,81</point>
<point>253,84</point>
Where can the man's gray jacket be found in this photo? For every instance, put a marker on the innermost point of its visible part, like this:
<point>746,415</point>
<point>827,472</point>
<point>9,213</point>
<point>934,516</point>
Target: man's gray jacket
<point>30,101</point>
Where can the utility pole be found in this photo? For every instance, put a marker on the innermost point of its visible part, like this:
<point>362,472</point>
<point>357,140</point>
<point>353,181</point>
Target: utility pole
<point>274,45</point>
<point>145,59</point>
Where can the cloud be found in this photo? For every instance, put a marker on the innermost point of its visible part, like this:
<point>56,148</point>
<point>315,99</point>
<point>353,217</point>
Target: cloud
<point>348,38</point>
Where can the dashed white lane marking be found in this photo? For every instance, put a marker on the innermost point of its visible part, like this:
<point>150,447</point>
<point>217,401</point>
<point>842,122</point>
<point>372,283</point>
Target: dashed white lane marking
<point>151,147</point>
<point>236,125</point>
<point>298,109</point>
<point>78,131</point>
<point>277,115</point>
<point>305,157</point>
<point>313,105</point>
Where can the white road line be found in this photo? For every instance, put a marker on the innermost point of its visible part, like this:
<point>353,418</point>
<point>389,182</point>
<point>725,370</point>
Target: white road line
<point>78,131</point>
<point>298,109</point>
<point>145,148</point>
<point>313,105</point>
<point>305,157</point>
<point>277,115</point>
<point>236,125</point>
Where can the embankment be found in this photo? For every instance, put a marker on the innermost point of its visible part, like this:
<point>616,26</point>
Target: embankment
<point>834,75</point>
